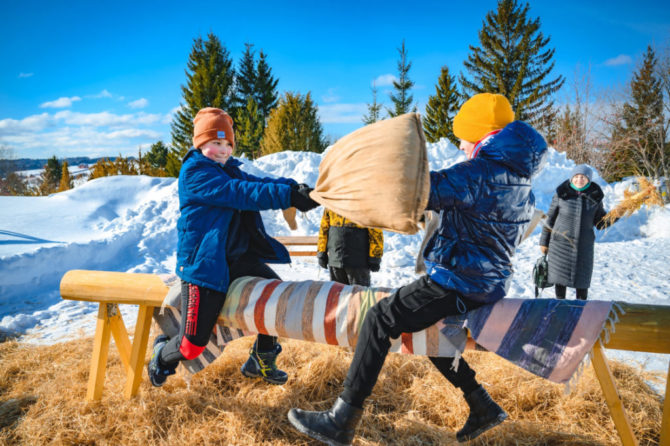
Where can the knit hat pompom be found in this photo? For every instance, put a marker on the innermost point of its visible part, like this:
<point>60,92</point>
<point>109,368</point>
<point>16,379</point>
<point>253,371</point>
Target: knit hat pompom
<point>212,123</point>
<point>582,169</point>
<point>482,114</point>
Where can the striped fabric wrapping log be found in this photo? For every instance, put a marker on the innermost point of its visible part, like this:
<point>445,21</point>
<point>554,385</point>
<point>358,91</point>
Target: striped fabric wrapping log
<point>547,337</point>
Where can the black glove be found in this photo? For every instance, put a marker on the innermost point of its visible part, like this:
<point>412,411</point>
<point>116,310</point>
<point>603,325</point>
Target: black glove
<point>300,199</point>
<point>299,186</point>
<point>322,257</point>
<point>374,263</point>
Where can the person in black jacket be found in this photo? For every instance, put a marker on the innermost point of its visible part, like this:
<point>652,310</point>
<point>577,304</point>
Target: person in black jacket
<point>349,251</point>
<point>567,237</point>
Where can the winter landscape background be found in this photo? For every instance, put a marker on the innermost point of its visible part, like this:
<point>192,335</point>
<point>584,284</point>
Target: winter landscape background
<point>128,223</point>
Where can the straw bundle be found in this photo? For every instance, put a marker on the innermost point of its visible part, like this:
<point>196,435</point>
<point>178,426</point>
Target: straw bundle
<point>633,201</point>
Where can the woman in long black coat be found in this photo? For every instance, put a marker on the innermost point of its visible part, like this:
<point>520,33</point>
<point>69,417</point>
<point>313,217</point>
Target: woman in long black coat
<point>568,234</point>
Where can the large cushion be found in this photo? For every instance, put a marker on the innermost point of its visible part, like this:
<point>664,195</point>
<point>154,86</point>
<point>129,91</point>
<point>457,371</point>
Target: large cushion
<point>378,176</point>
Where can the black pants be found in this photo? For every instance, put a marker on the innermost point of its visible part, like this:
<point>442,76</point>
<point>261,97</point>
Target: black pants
<point>200,308</point>
<point>582,293</point>
<point>411,308</point>
<point>350,276</point>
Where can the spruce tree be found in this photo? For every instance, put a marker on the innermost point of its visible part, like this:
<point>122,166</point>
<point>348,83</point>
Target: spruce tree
<point>293,125</point>
<point>266,87</point>
<point>374,109</point>
<point>156,157</point>
<point>640,138</point>
<point>402,99</point>
<point>513,60</point>
<point>250,127</point>
<point>209,83</point>
<point>441,109</point>
<point>245,81</point>
<point>65,179</point>
<point>50,177</point>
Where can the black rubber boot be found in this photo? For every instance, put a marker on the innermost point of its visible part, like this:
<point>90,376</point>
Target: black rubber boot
<point>264,365</point>
<point>335,427</point>
<point>484,415</point>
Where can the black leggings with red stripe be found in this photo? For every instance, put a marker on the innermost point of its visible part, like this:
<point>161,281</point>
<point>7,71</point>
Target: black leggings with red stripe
<point>200,308</point>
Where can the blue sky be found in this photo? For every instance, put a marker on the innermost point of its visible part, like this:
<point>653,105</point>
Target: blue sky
<point>99,78</point>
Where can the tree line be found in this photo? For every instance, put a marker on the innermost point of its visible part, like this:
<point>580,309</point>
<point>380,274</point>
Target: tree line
<point>628,136</point>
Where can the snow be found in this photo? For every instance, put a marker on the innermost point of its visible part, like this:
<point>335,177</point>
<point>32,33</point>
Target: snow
<point>128,223</point>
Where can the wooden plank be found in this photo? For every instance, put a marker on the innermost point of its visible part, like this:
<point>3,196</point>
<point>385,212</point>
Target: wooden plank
<point>302,253</point>
<point>120,334</point>
<point>612,397</point>
<point>298,240</point>
<point>665,423</point>
<point>643,328</point>
<point>140,340</point>
<point>96,376</point>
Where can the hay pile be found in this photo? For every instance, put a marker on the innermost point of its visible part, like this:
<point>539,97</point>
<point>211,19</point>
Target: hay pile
<point>632,201</point>
<point>42,390</point>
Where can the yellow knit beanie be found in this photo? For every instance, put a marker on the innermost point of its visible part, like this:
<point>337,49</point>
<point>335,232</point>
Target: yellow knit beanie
<point>482,114</point>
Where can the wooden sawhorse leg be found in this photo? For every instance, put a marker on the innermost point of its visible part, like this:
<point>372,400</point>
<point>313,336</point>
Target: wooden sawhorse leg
<point>110,322</point>
<point>612,397</point>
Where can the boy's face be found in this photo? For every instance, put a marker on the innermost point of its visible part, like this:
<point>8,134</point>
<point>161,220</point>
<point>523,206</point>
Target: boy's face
<point>467,147</point>
<point>218,150</point>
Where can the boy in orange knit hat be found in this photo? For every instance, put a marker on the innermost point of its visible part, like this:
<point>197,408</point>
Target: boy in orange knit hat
<point>221,237</point>
<point>485,205</point>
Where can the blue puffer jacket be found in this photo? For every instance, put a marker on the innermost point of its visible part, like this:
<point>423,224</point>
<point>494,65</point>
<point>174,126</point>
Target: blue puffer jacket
<point>209,195</point>
<point>485,205</point>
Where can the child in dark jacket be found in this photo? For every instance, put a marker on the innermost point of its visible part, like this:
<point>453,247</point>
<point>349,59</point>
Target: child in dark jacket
<point>221,237</point>
<point>348,250</point>
<point>485,205</point>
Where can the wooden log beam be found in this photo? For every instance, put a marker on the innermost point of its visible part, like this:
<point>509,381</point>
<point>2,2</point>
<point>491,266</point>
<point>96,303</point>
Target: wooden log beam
<point>643,328</point>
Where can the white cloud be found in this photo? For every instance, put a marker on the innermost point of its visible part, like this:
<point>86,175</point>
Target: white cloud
<point>167,119</point>
<point>330,96</point>
<point>342,113</point>
<point>384,80</point>
<point>106,118</point>
<point>621,59</point>
<point>103,94</point>
<point>34,123</point>
<point>22,75</point>
<point>60,102</point>
<point>140,103</point>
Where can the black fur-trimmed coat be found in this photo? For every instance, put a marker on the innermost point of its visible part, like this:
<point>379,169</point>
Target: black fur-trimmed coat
<point>569,234</point>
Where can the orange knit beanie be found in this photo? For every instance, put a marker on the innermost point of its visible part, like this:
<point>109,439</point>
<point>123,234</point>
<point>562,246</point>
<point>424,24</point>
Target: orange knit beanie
<point>482,114</point>
<point>212,123</point>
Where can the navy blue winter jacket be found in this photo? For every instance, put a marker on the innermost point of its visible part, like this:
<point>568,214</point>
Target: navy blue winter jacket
<point>210,195</point>
<point>485,205</point>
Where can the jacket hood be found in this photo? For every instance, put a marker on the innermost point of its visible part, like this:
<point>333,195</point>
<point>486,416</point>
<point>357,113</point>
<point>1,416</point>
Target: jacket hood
<point>564,191</point>
<point>519,147</point>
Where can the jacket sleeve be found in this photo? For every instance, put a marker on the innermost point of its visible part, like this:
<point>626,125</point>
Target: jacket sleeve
<point>552,214</point>
<point>322,245</point>
<point>376,238</point>
<point>279,180</point>
<point>455,186</point>
<point>600,214</point>
<point>206,184</point>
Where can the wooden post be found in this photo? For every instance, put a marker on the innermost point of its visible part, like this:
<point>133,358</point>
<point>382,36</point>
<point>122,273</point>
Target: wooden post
<point>612,397</point>
<point>139,349</point>
<point>96,376</point>
<point>665,424</point>
<point>120,334</point>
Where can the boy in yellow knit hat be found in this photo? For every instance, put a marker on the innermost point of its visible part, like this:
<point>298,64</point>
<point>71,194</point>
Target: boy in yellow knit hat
<point>485,205</point>
<point>221,237</point>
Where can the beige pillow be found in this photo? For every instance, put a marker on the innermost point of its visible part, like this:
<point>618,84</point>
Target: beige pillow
<point>378,176</point>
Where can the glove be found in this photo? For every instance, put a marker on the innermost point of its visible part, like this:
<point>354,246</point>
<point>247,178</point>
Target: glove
<point>322,257</point>
<point>300,199</point>
<point>299,186</point>
<point>374,263</point>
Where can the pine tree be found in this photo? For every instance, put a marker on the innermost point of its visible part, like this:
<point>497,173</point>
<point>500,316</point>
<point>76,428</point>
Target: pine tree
<point>639,140</point>
<point>123,166</point>
<point>441,109</point>
<point>65,179</point>
<point>50,177</point>
<point>293,125</point>
<point>266,87</point>
<point>156,157</point>
<point>209,83</point>
<point>402,99</point>
<point>103,168</point>
<point>513,61</point>
<point>250,129</point>
<point>374,109</point>
<point>245,81</point>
